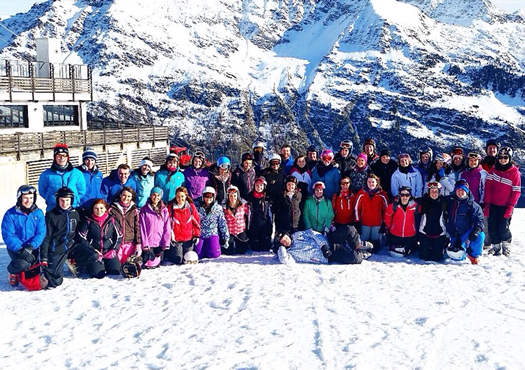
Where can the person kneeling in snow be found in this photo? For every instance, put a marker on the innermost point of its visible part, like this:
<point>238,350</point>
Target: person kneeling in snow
<point>312,247</point>
<point>465,225</point>
<point>23,230</point>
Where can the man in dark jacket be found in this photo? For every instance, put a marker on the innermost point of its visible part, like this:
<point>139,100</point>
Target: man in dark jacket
<point>384,168</point>
<point>465,225</point>
<point>344,158</point>
<point>274,176</point>
<point>61,225</point>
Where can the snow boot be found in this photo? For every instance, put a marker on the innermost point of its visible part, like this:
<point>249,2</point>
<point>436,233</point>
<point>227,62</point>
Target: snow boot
<point>14,280</point>
<point>473,260</point>
<point>505,248</point>
<point>495,250</point>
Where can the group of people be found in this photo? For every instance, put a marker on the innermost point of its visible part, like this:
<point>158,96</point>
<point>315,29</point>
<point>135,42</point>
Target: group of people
<point>320,207</point>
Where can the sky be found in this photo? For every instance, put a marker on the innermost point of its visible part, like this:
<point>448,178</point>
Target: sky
<point>10,7</point>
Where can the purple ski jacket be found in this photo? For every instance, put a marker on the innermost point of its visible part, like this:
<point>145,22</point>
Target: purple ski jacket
<point>155,229</point>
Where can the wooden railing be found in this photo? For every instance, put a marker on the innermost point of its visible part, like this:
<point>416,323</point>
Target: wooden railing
<point>20,143</point>
<point>28,82</point>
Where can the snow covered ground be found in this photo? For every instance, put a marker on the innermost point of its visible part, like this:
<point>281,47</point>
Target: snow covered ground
<point>251,313</point>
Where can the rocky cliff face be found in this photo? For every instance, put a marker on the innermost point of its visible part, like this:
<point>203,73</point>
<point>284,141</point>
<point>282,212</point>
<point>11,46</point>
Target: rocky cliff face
<point>223,73</point>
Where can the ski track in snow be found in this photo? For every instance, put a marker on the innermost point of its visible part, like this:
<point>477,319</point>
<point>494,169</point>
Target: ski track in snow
<point>250,312</point>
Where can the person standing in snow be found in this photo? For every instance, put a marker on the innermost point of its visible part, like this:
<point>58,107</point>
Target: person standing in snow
<point>344,159</point>
<point>458,164</point>
<point>23,230</point>
<point>406,175</point>
<point>491,148</point>
<point>274,176</point>
<point>286,158</point>
<point>220,178</point>
<point>439,171</point>
<point>113,184</point>
<point>61,174</point>
<point>384,168</point>
<point>465,225</point>
<point>169,178</point>
<point>261,221</point>
<point>287,208</point>
<point>197,175</point>
<point>369,148</point>
<point>476,177</point>
<point>243,176</point>
<point>343,206</point>
<point>424,162</point>
<point>92,176</point>
<point>312,157</point>
<point>144,178</point>
<point>327,173</point>
<point>360,173</point>
<point>303,175</point>
<point>502,191</point>
<point>259,160</point>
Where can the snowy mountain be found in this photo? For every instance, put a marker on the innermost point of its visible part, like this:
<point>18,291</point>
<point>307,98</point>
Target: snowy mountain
<point>223,73</point>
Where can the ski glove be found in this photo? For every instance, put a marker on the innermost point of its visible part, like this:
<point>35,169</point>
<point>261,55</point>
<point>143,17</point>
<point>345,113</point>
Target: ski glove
<point>486,210</point>
<point>26,253</point>
<point>508,212</point>
<point>327,253</point>
<point>474,234</point>
<point>148,255</point>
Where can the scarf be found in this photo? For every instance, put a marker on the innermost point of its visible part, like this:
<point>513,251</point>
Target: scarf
<point>100,219</point>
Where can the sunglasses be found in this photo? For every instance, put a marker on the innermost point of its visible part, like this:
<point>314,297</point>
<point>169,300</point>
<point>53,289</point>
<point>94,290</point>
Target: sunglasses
<point>503,157</point>
<point>345,182</point>
<point>208,196</point>
<point>404,195</point>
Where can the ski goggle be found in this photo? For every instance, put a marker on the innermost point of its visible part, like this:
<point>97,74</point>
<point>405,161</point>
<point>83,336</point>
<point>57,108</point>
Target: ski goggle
<point>199,154</point>
<point>225,166</point>
<point>458,151</point>
<point>433,185</point>
<point>345,146</point>
<point>25,189</point>
<point>474,155</point>
<point>404,194</point>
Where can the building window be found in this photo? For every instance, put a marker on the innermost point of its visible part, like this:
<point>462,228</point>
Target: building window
<point>60,115</point>
<point>13,116</point>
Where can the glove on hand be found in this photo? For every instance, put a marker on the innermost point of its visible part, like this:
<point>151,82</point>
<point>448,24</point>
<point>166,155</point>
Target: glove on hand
<point>327,253</point>
<point>474,234</point>
<point>26,253</point>
<point>382,229</point>
<point>148,255</point>
<point>508,212</point>
<point>486,210</point>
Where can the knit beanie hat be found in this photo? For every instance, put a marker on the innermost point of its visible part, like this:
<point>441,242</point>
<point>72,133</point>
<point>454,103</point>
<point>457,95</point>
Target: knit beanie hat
<point>89,153</point>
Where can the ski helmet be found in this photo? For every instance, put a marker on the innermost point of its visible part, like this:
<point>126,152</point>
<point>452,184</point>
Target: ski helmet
<point>456,253</point>
<point>275,157</point>
<point>209,190</point>
<point>65,192</point>
<point>397,251</point>
<point>506,150</point>
<point>191,258</point>
<point>259,144</point>
<point>26,189</point>
<point>260,179</point>
<point>327,153</point>
<point>224,162</point>
<point>492,142</point>
<point>427,150</point>
<point>346,144</point>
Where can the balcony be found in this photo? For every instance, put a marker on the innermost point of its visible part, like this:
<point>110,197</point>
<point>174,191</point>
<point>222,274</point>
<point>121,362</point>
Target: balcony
<point>19,81</point>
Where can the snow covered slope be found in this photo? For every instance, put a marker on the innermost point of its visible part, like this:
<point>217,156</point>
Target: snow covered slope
<point>223,73</point>
<point>252,313</point>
